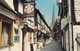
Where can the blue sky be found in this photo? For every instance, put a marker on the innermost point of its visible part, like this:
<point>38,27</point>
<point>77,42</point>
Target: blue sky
<point>46,8</point>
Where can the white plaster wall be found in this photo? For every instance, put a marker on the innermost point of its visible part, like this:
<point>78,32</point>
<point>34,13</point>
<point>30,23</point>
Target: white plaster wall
<point>20,8</point>
<point>16,47</point>
<point>10,3</point>
<point>70,27</point>
<point>70,35</point>
<point>64,21</point>
<point>77,10</point>
<point>32,37</point>
<point>76,29</point>
<point>67,40</point>
<point>35,47</point>
<point>26,42</point>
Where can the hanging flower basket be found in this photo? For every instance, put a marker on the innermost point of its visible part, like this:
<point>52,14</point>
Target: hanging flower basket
<point>19,22</point>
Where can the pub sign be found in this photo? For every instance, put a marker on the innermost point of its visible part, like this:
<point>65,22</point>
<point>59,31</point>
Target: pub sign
<point>28,9</point>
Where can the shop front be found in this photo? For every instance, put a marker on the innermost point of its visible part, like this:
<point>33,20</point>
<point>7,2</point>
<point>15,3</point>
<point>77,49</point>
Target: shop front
<point>8,36</point>
<point>27,41</point>
<point>6,31</point>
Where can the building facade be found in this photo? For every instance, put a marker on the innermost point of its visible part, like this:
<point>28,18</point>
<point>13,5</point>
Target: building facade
<point>69,14</point>
<point>18,27</point>
<point>10,33</point>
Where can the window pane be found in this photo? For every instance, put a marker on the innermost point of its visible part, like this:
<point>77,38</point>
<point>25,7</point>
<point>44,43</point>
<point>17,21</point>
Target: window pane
<point>6,33</point>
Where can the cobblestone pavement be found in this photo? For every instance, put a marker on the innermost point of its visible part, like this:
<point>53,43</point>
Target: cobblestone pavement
<point>52,46</point>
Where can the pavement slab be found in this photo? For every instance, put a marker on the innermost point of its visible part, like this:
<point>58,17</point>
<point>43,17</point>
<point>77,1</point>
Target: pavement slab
<point>52,46</point>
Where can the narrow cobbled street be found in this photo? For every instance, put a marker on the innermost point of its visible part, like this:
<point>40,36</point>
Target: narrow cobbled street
<point>52,46</point>
<point>39,25</point>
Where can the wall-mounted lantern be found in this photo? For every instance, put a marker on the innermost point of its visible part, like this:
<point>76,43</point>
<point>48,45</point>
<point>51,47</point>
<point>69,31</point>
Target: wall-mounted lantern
<point>59,1</point>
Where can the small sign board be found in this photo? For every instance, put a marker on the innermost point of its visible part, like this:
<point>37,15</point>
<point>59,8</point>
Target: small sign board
<point>28,9</point>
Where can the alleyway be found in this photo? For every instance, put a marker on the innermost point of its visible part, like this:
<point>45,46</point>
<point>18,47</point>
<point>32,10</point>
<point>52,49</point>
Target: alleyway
<point>52,46</point>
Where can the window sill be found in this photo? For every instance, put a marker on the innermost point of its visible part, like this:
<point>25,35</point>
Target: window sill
<point>4,46</point>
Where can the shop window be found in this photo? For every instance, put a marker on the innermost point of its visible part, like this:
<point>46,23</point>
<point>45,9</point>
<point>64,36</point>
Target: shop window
<point>6,33</point>
<point>76,11</point>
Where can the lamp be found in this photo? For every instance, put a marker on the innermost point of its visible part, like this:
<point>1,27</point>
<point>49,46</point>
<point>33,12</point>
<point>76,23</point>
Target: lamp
<point>59,1</point>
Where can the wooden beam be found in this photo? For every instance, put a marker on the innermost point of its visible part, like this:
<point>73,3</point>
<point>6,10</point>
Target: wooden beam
<point>12,34</point>
<point>0,32</point>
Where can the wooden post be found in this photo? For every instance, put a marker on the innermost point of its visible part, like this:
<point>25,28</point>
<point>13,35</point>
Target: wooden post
<point>0,32</point>
<point>12,33</point>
